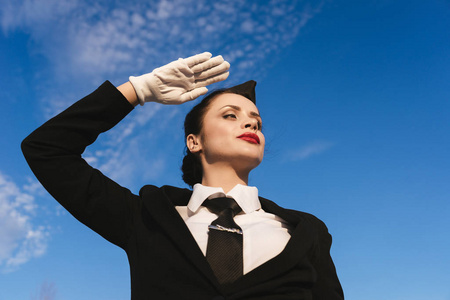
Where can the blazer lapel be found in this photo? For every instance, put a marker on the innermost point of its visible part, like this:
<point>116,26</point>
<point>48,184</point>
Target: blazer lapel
<point>299,244</point>
<point>161,207</point>
<point>160,204</point>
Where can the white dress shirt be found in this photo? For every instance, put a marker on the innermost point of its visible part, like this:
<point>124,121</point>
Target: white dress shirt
<point>265,235</point>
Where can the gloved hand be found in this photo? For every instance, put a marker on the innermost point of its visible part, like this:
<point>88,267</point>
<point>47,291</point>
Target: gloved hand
<point>181,80</point>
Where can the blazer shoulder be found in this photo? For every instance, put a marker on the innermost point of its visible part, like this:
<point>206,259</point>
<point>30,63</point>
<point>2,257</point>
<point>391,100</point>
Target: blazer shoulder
<point>316,223</point>
<point>178,196</point>
<point>292,215</point>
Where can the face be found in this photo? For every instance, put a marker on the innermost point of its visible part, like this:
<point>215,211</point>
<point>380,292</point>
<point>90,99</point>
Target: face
<point>231,133</point>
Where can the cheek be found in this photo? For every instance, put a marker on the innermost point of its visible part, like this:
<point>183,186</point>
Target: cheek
<point>216,136</point>
<point>263,141</point>
<point>263,146</point>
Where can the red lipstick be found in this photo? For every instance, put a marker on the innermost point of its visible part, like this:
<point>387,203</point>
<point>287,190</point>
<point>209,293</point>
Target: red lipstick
<point>249,137</point>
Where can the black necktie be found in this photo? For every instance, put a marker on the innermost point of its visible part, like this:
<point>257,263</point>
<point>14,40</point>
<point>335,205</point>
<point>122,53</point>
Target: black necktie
<point>224,249</point>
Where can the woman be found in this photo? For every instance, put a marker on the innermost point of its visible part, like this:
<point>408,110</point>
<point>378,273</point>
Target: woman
<point>177,245</point>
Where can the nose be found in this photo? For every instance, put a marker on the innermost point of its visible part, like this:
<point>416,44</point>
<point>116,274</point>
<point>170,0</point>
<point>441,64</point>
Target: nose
<point>251,123</point>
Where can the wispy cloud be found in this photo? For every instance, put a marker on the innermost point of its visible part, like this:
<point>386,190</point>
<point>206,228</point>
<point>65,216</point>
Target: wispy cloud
<point>21,240</point>
<point>85,42</point>
<point>33,14</point>
<point>98,40</point>
<point>135,151</point>
<point>308,150</point>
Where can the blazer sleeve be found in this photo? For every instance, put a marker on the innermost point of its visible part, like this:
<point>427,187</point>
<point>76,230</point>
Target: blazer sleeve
<point>53,152</point>
<point>327,286</point>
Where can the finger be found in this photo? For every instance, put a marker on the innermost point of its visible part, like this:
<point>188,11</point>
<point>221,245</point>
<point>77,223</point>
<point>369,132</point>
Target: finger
<point>219,69</point>
<point>193,94</point>
<point>211,80</point>
<point>197,59</point>
<point>210,63</point>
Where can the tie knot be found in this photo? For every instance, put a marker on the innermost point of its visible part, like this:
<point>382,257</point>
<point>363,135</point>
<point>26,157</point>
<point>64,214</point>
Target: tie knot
<point>218,205</point>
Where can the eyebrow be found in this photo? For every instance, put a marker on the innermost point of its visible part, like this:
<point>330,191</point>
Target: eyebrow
<point>252,113</point>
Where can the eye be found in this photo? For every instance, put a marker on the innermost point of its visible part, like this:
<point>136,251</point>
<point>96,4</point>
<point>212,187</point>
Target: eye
<point>228,116</point>
<point>259,125</point>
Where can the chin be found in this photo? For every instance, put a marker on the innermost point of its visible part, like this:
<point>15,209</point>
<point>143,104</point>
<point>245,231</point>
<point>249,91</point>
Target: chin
<point>248,162</point>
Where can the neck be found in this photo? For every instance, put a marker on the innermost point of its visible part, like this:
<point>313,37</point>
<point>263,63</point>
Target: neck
<point>224,177</point>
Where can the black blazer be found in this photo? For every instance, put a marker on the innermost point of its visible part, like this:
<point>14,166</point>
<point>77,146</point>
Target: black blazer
<point>165,261</point>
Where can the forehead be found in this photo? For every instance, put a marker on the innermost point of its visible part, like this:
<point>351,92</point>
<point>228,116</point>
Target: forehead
<point>233,99</point>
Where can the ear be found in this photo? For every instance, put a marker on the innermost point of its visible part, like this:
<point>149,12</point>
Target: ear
<point>193,143</point>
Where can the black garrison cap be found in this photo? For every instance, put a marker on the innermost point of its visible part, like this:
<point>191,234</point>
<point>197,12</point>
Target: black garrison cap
<point>246,89</point>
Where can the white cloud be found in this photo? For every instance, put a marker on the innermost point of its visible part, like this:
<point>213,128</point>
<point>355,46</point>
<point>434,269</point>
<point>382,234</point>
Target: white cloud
<point>33,13</point>
<point>247,26</point>
<point>21,240</point>
<point>85,42</point>
<point>85,38</point>
<point>308,150</point>
<point>134,151</point>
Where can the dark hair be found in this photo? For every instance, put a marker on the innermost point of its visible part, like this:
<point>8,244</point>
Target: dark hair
<point>193,124</point>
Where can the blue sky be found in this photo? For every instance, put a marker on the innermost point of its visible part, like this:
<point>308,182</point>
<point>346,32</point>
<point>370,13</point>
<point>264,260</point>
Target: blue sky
<point>355,101</point>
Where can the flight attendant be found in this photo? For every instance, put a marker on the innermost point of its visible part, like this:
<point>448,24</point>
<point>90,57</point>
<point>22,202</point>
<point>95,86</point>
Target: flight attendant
<point>218,240</point>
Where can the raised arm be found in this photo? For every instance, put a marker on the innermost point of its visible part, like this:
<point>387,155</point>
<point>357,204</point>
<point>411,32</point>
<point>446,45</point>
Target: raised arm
<point>53,151</point>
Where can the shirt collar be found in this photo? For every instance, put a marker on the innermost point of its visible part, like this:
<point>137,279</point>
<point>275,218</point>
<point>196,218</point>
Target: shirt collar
<point>245,196</point>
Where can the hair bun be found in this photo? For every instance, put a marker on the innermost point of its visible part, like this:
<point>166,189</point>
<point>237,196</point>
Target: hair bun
<point>192,169</point>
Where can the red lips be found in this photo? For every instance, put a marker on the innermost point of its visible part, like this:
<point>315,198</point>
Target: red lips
<point>249,137</point>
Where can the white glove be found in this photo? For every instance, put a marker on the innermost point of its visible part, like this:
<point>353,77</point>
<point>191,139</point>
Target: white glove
<point>181,80</point>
